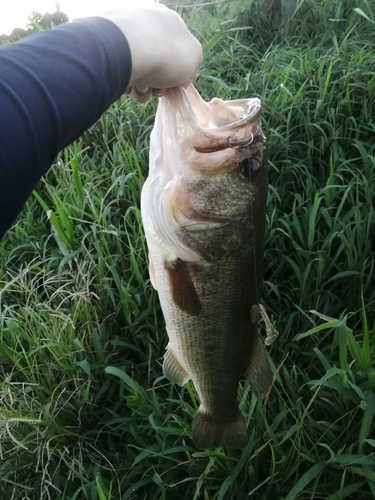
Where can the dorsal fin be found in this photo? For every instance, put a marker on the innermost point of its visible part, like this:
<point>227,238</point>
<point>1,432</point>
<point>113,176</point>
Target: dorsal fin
<point>257,312</point>
<point>259,372</point>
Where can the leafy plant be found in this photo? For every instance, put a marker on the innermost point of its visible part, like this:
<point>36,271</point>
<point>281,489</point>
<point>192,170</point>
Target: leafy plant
<point>85,409</point>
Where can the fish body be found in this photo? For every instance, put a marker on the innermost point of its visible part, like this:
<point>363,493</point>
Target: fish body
<point>203,209</point>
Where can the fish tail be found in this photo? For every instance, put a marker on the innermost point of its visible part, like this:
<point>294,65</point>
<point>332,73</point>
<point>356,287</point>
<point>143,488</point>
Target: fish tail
<point>211,432</point>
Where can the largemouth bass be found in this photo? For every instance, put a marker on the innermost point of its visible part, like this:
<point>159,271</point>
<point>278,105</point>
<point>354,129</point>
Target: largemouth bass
<point>204,208</point>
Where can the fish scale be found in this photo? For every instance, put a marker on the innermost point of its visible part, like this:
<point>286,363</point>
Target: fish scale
<point>203,207</point>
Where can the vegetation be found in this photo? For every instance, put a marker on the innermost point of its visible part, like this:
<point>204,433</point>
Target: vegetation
<point>36,22</point>
<point>85,410</point>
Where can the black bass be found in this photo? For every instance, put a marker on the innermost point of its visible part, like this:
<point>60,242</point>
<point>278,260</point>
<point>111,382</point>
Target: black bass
<point>204,210</point>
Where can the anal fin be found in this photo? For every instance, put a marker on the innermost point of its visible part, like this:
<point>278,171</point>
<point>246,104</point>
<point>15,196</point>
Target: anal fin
<point>258,371</point>
<point>173,370</point>
<point>182,287</point>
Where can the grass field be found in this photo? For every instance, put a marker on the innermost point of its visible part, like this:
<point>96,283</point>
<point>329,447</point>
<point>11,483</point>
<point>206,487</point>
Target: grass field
<point>86,412</point>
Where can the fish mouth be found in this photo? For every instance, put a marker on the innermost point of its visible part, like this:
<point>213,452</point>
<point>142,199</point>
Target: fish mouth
<point>218,124</point>
<point>223,115</point>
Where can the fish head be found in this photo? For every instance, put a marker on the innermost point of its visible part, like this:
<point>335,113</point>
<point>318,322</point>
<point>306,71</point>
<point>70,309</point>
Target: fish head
<point>207,185</point>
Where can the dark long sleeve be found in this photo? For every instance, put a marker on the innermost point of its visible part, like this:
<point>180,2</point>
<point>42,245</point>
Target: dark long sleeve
<point>53,86</point>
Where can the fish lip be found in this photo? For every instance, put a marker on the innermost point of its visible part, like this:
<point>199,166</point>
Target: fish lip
<point>241,122</point>
<point>188,101</point>
<point>193,100</point>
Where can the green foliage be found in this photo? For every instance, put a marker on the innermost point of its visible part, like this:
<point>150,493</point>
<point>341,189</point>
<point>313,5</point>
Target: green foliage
<point>85,410</point>
<point>39,22</point>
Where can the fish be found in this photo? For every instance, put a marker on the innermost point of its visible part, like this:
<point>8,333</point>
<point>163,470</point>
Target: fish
<point>203,208</point>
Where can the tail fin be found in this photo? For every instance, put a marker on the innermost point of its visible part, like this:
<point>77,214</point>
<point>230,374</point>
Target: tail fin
<point>211,432</point>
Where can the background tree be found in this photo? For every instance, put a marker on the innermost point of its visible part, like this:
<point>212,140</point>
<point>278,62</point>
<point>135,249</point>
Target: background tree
<point>36,22</point>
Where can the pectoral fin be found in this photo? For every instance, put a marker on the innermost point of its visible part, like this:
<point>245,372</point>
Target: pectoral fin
<point>173,370</point>
<point>182,287</point>
<point>259,372</point>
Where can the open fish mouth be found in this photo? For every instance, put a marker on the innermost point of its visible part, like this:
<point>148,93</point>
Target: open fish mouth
<point>216,125</point>
<point>216,114</point>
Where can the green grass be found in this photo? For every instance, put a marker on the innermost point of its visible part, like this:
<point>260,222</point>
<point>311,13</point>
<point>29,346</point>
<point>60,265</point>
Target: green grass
<point>85,410</point>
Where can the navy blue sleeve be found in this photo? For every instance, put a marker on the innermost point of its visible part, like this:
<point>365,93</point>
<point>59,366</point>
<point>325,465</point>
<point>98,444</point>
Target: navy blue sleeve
<point>53,86</point>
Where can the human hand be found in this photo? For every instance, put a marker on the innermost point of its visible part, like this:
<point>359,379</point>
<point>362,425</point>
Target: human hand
<point>164,52</point>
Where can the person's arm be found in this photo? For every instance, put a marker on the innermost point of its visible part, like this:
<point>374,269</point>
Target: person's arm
<point>53,86</point>
<point>56,84</point>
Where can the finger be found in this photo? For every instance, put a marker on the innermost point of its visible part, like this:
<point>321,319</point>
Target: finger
<point>142,90</point>
<point>158,92</point>
<point>189,82</point>
<point>138,96</point>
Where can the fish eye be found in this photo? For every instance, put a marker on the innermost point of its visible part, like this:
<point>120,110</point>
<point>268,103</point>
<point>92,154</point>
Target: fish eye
<point>248,167</point>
